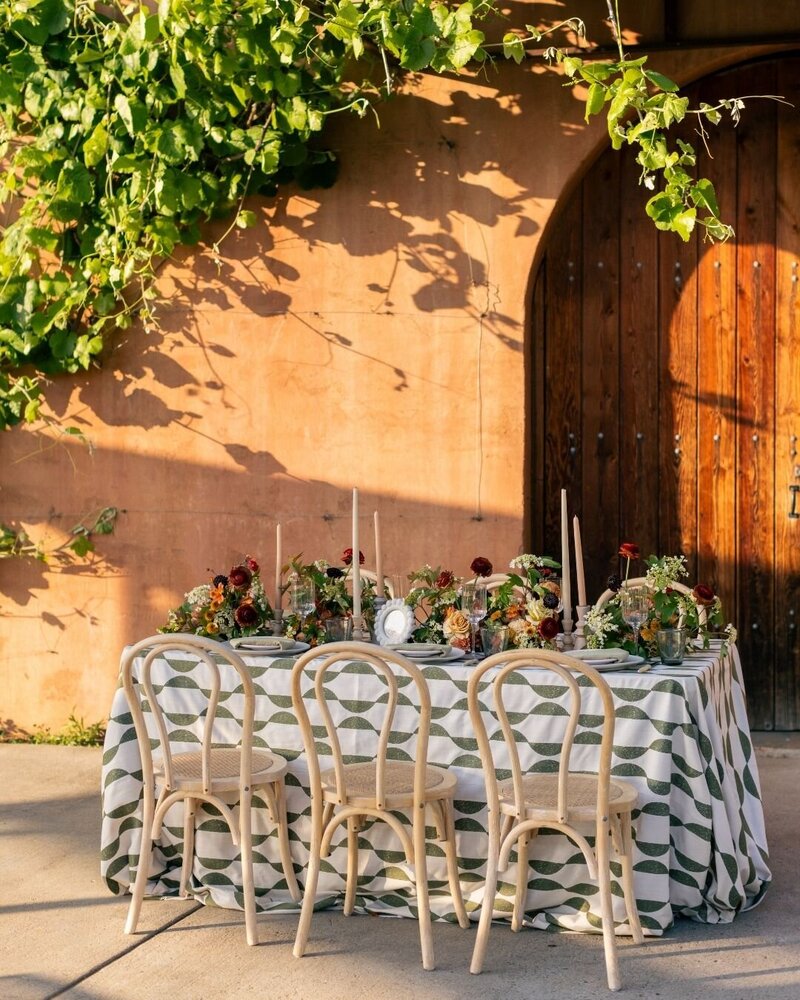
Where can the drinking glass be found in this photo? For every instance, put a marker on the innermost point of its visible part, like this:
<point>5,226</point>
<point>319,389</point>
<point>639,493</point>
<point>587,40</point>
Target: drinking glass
<point>303,597</point>
<point>635,604</point>
<point>494,639</point>
<point>671,645</point>
<point>474,604</point>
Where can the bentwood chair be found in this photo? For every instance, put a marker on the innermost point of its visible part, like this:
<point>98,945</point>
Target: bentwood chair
<point>640,581</point>
<point>563,800</point>
<point>349,791</point>
<point>368,574</point>
<point>213,773</point>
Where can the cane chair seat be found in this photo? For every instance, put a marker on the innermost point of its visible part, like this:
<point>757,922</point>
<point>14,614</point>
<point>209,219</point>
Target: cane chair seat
<point>345,795</point>
<point>540,796</point>
<point>398,784</point>
<point>641,581</point>
<point>225,769</point>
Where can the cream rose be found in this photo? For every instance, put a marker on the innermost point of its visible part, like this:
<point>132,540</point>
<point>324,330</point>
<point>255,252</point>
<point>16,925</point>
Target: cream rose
<point>456,625</point>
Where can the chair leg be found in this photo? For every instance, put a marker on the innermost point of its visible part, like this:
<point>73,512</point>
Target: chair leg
<point>246,850</point>
<point>423,903</point>
<point>625,858</point>
<point>448,840</point>
<point>318,810</point>
<point>604,885</point>
<point>189,810</point>
<point>352,865</point>
<point>145,858</point>
<point>283,840</point>
<point>485,922</point>
<point>522,882</point>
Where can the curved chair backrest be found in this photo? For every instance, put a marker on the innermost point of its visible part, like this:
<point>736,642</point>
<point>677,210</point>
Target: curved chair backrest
<point>136,670</point>
<point>641,581</point>
<point>368,574</point>
<point>491,582</point>
<point>387,664</point>
<point>566,668</point>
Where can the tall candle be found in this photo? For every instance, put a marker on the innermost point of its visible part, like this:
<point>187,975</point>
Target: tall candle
<point>566,595</point>
<point>356,566</point>
<point>576,530</point>
<point>278,566</point>
<point>378,556</point>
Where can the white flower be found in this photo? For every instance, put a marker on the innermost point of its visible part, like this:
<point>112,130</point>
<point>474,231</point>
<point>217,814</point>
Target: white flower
<point>526,562</point>
<point>321,565</point>
<point>665,571</point>
<point>731,632</point>
<point>536,610</point>
<point>598,623</point>
<point>199,595</point>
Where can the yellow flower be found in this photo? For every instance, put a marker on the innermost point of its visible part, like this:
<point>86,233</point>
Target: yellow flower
<point>212,628</point>
<point>456,625</point>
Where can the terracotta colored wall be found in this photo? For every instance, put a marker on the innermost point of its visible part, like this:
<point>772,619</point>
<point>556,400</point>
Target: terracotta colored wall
<point>372,335</point>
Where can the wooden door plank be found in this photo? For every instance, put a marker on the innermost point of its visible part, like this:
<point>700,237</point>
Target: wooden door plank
<point>599,442</point>
<point>638,401</point>
<point>678,398</point>
<point>563,371</point>
<point>755,308</point>
<point>716,386</point>
<point>535,478</point>
<point>787,400</point>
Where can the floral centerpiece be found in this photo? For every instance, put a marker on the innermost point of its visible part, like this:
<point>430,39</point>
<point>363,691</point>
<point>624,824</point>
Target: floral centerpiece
<point>226,608</point>
<point>672,607</point>
<point>434,598</point>
<point>332,599</point>
<point>528,602</point>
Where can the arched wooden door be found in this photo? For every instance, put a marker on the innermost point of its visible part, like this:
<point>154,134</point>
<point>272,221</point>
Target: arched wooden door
<point>666,395</point>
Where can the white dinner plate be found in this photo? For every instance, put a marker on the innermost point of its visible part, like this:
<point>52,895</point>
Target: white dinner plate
<point>601,665</point>
<point>298,647</point>
<point>454,654</point>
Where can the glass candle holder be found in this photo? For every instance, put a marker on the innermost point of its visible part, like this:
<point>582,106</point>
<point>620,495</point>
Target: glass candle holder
<point>671,645</point>
<point>494,639</point>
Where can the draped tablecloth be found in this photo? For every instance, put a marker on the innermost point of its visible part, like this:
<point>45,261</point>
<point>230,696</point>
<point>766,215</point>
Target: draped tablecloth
<point>681,738</point>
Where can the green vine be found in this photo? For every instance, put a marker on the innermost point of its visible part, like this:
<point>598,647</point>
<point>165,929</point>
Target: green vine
<point>17,543</point>
<point>125,128</point>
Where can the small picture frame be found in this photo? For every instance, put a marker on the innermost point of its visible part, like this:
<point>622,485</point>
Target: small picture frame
<point>394,622</point>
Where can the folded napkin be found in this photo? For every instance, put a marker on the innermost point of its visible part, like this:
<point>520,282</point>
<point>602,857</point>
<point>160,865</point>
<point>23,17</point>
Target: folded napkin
<point>262,642</point>
<point>602,655</point>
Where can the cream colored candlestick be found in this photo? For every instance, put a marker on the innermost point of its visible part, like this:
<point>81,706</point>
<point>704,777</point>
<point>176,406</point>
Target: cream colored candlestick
<point>378,556</point>
<point>356,569</point>
<point>576,531</point>
<point>566,590</point>
<point>278,568</point>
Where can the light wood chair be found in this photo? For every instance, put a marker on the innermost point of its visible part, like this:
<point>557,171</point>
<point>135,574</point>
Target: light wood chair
<point>203,775</point>
<point>346,793</point>
<point>640,581</point>
<point>369,574</point>
<point>564,800</point>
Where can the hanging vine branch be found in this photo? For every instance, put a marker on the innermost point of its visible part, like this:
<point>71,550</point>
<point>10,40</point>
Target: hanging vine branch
<point>125,128</point>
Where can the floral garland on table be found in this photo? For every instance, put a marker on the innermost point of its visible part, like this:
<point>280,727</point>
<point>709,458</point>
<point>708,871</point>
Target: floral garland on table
<point>332,600</point>
<point>671,608</point>
<point>434,598</point>
<point>226,608</point>
<point>528,603</point>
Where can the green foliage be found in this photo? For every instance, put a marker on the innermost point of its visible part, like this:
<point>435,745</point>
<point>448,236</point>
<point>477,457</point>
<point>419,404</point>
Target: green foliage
<point>16,543</point>
<point>641,107</point>
<point>76,733</point>
<point>125,128</point>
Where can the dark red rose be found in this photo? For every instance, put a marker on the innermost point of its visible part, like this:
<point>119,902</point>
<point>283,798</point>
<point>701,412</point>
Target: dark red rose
<point>220,581</point>
<point>548,628</point>
<point>481,566</point>
<point>544,571</point>
<point>614,583</point>
<point>704,595</point>
<point>347,557</point>
<point>629,550</point>
<point>240,577</point>
<point>334,573</point>
<point>251,564</point>
<point>246,616</point>
<point>444,579</point>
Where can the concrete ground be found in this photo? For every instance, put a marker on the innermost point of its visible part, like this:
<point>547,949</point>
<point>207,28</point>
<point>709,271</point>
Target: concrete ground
<point>61,931</point>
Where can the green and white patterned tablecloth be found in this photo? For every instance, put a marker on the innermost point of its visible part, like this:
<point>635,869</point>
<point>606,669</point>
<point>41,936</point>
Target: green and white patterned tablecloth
<point>681,738</point>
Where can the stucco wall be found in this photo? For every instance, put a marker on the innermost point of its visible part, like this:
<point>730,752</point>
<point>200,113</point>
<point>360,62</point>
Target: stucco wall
<point>373,334</point>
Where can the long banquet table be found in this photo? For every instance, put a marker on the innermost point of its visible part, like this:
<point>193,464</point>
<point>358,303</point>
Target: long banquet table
<point>681,737</point>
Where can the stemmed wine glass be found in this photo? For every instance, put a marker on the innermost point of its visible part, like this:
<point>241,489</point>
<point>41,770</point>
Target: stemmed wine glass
<point>635,604</point>
<point>303,597</point>
<point>474,604</point>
